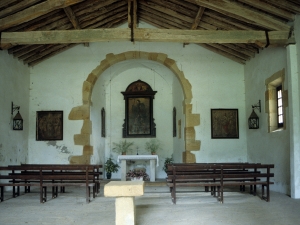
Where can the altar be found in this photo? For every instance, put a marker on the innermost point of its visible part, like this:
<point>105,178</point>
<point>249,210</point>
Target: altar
<point>151,158</point>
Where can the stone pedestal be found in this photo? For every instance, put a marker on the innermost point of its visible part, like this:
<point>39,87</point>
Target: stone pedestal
<point>124,192</point>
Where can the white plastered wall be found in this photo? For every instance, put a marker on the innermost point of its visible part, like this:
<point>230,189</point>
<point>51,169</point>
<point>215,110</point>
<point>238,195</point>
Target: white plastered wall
<point>14,87</point>
<point>114,81</point>
<point>280,148</point>
<point>216,83</point>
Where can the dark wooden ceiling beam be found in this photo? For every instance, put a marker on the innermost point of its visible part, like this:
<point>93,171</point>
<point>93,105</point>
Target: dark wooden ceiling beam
<point>17,7</point>
<point>4,3</point>
<point>223,53</point>
<point>72,17</point>
<point>30,48</point>
<point>41,59</point>
<point>169,12</point>
<point>231,51</point>
<point>158,21</point>
<point>233,8</point>
<point>107,11</point>
<point>91,6</point>
<point>295,8</point>
<point>144,10</point>
<point>212,15</point>
<point>269,8</point>
<point>197,20</point>
<point>34,12</point>
<point>240,49</point>
<point>101,20</point>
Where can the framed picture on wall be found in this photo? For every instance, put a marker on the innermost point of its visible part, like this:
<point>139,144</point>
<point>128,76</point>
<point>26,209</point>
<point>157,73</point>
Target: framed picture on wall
<point>49,125</point>
<point>139,121</point>
<point>224,123</point>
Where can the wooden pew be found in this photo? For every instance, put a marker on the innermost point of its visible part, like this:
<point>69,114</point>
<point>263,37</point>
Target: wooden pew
<point>65,168</point>
<point>51,176</point>
<point>219,175</point>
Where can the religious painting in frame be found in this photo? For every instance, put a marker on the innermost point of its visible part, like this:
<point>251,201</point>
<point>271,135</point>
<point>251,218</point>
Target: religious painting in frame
<point>224,123</point>
<point>49,125</point>
<point>139,121</point>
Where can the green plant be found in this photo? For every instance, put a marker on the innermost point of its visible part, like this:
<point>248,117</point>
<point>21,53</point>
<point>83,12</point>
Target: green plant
<point>122,146</point>
<point>110,166</point>
<point>153,145</point>
<point>167,162</point>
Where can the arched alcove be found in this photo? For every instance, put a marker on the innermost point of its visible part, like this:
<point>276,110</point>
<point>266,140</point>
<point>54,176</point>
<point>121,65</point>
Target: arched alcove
<point>83,112</point>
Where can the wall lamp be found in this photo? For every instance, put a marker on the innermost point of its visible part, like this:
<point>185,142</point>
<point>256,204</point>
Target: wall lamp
<point>253,120</point>
<point>17,120</point>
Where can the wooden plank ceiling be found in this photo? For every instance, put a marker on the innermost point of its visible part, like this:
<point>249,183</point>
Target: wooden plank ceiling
<point>35,30</point>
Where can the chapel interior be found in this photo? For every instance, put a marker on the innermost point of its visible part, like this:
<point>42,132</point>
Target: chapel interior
<point>102,67</point>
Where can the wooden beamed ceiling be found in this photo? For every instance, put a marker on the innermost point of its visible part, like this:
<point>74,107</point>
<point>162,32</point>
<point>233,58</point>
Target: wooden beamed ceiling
<point>34,30</point>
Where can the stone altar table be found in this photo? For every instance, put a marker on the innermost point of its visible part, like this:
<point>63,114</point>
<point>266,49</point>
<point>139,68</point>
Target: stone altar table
<point>150,158</point>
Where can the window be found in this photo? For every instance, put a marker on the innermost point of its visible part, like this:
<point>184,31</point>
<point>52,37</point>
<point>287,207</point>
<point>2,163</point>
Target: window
<point>276,101</point>
<point>279,106</point>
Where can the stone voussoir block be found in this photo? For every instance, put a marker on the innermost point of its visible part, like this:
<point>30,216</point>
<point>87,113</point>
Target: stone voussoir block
<point>80,112</point>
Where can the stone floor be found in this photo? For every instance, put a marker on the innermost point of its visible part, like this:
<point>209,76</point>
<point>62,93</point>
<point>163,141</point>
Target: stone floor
<point>154,207</point>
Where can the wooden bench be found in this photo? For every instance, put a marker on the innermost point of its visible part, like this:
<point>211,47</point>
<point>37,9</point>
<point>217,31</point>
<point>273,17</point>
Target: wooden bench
<point>51,176</point>
<point>95,170</point>
<point>219,175</point>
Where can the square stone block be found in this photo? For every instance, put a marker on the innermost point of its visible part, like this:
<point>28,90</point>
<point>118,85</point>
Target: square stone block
<point>124,188</point>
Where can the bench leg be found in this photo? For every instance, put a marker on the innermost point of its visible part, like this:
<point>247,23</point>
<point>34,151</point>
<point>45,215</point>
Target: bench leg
<point>94,191</point>
<point>267,198</point>
<point>54,191</point>
<point>98,187</point>
<point>2,194</point>
<point>27,189</point>
<point>87,194</point>
<point>222,197</point>
<point>173,195</point>
<point>18,190</point>
<point>43,194</point>
<point>14,192</point>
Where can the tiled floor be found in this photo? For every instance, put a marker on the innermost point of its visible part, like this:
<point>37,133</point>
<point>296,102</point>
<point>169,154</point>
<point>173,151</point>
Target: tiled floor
<point>154,208</point>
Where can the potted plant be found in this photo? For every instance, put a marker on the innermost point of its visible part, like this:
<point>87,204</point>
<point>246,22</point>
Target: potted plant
<point>122,147</point>
<point>138,175</point>
<point>167,162</point>
<point>153,145</point>
<point>110,167</point>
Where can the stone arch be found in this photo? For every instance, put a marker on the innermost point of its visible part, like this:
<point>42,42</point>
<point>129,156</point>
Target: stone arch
<point>83,112</point>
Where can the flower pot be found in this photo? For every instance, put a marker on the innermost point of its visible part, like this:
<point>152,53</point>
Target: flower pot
<point>137,179</point>
<point>108,175</point>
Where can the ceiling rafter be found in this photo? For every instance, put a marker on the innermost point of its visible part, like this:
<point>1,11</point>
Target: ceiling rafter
<point>73,19</point>
<point>233,8</point>
<point>34,12</point>
<point>197,20</point>
<point>269,8</point>
<point>221,15</point>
